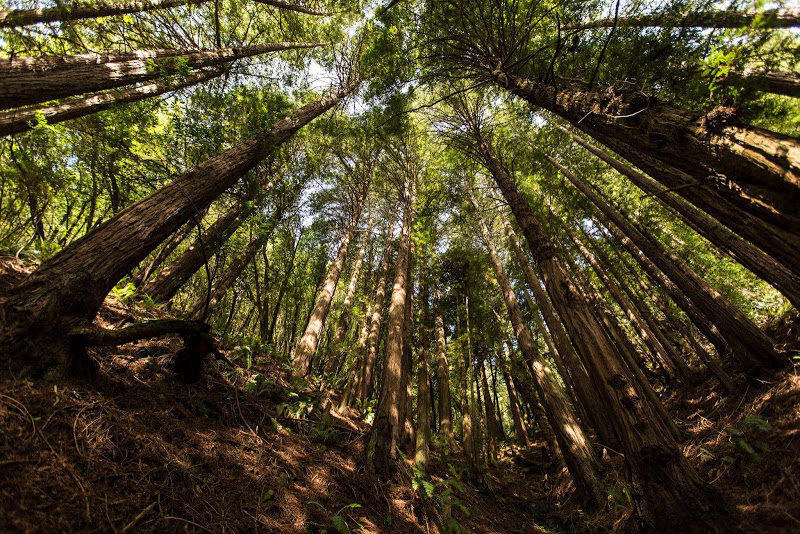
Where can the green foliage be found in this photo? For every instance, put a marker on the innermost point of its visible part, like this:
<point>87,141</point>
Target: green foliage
<point>442,494</point>
<point>124,293</point>
<point>341,520</point>
<point>746,441</point>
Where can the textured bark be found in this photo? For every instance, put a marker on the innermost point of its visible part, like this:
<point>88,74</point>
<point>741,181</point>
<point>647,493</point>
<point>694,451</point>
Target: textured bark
<point>343,324</point>
<point>674,365</point>
<point>768,18</point>
<point>423,428</point>
<point>407,439</point>
<point>10,18</point>
<point>443,378</point>
<point>748,342</point>
<point>520,430</point>
<point>572,441</point>
<point>70,287</point>
<point>585,393</point>
<point>667,493</point>
<point>383,438</point>
<point>493,431</point>
<point>21,120</point>
<point>775,82</point>
<point>755,169</point>
<point>169,281</point>
<point>310,339</point>
<point>32,80</point>
<point>375,320</point>
<point>467,431</point>
<point>759,262</point>
<point>165,251</point>
<point>198,309</point>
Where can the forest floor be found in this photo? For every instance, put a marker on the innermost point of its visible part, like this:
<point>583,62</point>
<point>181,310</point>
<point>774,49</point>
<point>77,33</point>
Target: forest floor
<point>251,450</point>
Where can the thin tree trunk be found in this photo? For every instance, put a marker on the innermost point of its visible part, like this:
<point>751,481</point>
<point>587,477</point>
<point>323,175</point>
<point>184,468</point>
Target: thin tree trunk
<point>467,430</point>
<point>443,377</point>
<point>164,252</point>
<point>282,291</point>
<point>407,439</point>
<point>37,316</point>
<point>572,441</point>
<point>423,428</point>
<point>198,309</point>
<point>767,19</point>
<point>383,439</point>
<point>22,120</point>
<point>759,262</point>
<point>32,80</point>
<point>344,318</point>
<point>310,339</point>
<point>373,337</point>
<point>493,432</point>
<point>520,430</point>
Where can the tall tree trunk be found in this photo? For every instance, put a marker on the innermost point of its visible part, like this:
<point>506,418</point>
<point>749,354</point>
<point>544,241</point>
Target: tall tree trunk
<point>493,432</point>
<point>10,18</point>
<point>667,492</point>
<point>344,318</point>
<point>282,291</point>
<point>769,18</point>
<point>423,429</point>
<point>674,365</point>
<point>760,169</point>
<point>759,262</point>
<point>467,430</point>
<point>572,441</point>
<point>520,430</point>
<point>310,339</point>
<point>373,337</point>
<point>443,377</point>
<point>585,393</point>
<point>22,120</point>
<point>69,288</point>
<point>407,439</point>
<point>383,438</point>
<point>32,80</point>
<point>747,341</point>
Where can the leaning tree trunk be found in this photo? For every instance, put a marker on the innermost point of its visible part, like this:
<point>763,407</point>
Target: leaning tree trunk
<point>759,262</point>
<point>167,248</point>
<point>344,318</point>
<point>10,18</point>
<point>383,438</point>
<point>22,120</point>
<point>667,492</point>
<point>202,308</point>
<point>32,80</point>
<point>572,441</point>
<point>310,339</point>
<point>169,281</point>
<point>69,288</point>
<point>585,393</point>
<point>747,341</point>
<point>754,169</point>
<point>775,82</point>
<point>767,19</point>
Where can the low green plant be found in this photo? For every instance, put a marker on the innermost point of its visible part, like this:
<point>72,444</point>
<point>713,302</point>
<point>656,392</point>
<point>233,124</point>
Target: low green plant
<point>124,293</point>
<point>442,494</point>
<point>340,519</point>
<point>746,441</point>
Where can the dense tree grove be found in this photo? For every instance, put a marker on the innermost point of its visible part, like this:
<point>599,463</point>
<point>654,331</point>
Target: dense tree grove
<point>480,222</point>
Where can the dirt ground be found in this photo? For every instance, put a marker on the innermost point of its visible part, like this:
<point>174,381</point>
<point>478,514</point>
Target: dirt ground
<point>252,450</point>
